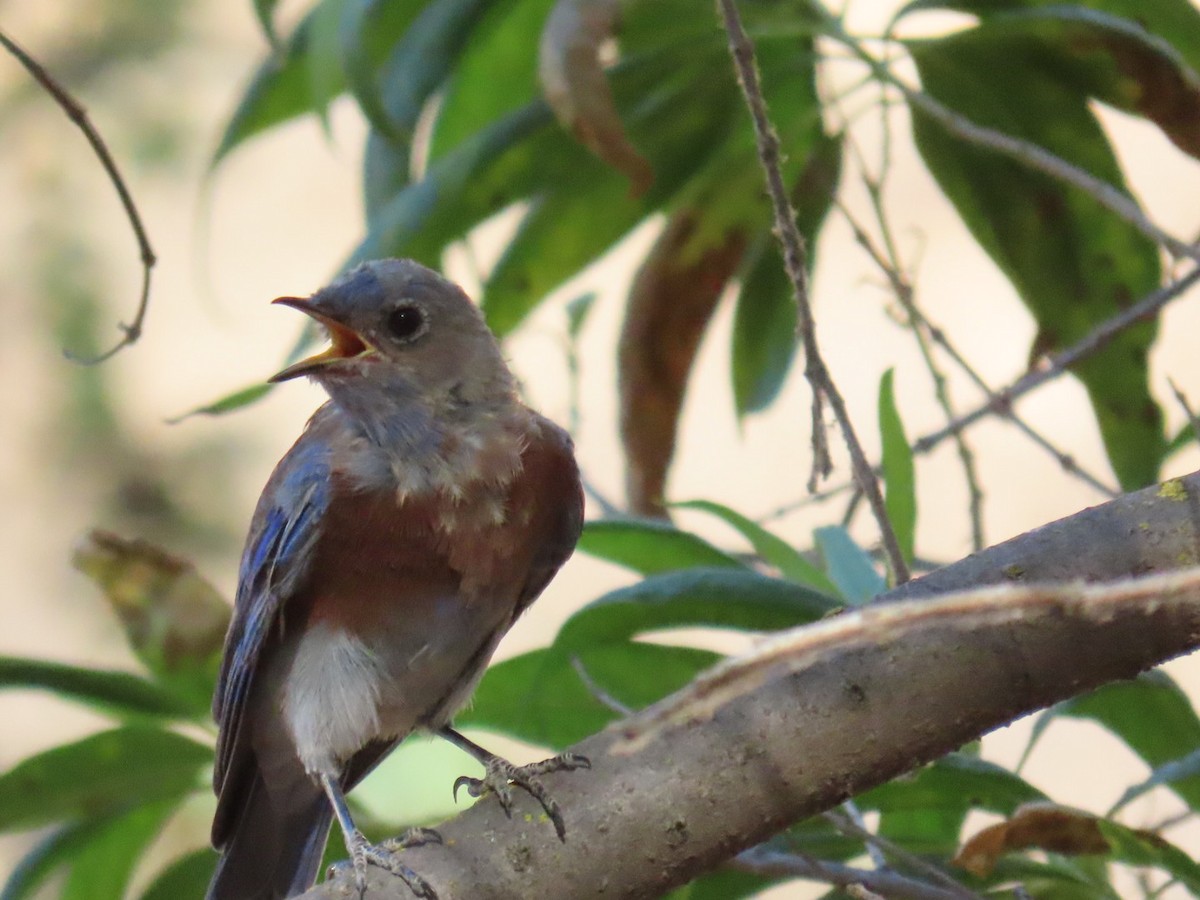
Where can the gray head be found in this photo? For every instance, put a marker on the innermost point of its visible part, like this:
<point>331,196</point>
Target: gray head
<point>399,327</point>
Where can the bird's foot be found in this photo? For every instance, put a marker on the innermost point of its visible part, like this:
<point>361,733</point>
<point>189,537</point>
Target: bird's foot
<point>499,774</point>
<point>383,855</point>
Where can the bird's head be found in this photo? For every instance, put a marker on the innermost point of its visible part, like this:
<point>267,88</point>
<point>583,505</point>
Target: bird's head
<point>396,326</point>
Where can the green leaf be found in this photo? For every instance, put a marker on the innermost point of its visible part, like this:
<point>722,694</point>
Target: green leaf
<point>188,876</point>
<point>925,811</point>
<point>774,550</point>
<point>280,90</point>
<point>416,65</point>
<point>899,476</point>
<point>715,598</point>
<point>101,869</point>
<point>480,177</point>
<point>368,31</point>
<point>100,775</point>
<point>1136,848</point>
<point>326,80</point>
<point>47,856</point>
<point>540,697</point>
<point>1073,263</point>
<point>1150,713</point>
<point>586,206</point>
<point>764,323</point>
<point>1176,770</point>
<point>246,396</point>
<point>649,546</point>
<point>848,565</point>
<point>1056,878</point>
<point>174,619</point>
<point>264,11</point>
<point>504,39</point>
<point>723,884</point>
<point>114,693</point>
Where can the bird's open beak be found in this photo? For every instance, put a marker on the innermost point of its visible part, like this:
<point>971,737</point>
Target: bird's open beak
<point>345,343</point>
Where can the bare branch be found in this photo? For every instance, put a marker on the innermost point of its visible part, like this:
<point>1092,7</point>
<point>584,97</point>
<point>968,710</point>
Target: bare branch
<point>1058,364</point>
<point>763,861</point>
<point>77,114</point>
<point>795,262</point>
<point>839,707</point>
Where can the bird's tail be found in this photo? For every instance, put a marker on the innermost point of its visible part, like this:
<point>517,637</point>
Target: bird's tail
<point>272,851</point>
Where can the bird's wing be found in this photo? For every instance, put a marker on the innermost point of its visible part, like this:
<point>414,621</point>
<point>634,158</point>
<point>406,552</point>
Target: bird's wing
<point>275,563</point>
<point>555,499</point>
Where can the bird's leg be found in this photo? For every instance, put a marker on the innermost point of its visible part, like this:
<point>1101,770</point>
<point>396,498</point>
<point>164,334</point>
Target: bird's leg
<point>499,773</point>
<point>363,852</point>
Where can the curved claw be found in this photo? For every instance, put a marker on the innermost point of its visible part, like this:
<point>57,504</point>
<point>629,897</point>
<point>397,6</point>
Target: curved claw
<point>473,785</point>
<point>364,854</point>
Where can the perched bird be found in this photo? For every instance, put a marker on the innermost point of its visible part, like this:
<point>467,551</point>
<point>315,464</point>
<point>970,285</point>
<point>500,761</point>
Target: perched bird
<point>422,509</point>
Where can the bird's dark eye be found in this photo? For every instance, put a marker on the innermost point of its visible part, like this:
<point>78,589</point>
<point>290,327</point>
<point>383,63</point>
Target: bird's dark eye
<point>406,322</point>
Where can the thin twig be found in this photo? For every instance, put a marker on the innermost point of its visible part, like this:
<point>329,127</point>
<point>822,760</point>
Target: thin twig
<point>77,114</point>
<point>773,863</point>
<point>794,258</point>
<point>902,289</point>
<point>597,692</point>
<point>1058,364</point>
<point>1182,400</point>
<point>873,850</point>
<point>896,852</point>
<point>1024,152</point>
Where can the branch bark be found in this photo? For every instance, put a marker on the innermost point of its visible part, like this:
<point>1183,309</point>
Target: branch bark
<point>821,713</point>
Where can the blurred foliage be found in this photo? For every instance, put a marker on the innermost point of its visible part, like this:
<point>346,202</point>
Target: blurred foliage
<point>583,119</point>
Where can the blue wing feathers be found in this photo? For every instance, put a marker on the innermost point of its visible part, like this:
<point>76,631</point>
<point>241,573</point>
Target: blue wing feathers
<point>278,553</point>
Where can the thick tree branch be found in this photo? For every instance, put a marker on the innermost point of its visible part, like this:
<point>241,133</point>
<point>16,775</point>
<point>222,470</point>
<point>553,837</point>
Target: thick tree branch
<point>822,713</point>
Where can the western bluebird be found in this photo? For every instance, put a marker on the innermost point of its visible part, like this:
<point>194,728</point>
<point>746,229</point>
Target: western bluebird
<point>422,509</point>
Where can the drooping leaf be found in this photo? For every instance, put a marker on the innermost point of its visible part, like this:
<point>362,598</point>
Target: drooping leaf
<point>649,546</point>
<point>773,549</point>
<point>674,294</point>
<point>374,30</point>
<point>101,868</point>
<point>899,478</point>
<point>246,396</point>
<point>925,811</point>
<point>723,884</point>
<point>1036,826</point>
<point>1139,56</point>
<point>48,856</point>
<point>114,693</point>
<point>848,565</point>
<point>542,698</point>
<point>174,619</point>
<point>323,62</point>
<point>1176,770</point>
<point>1145,849</point>
<point>1150,713</point>
<point>717,598</point>
<point>264,11</point>
<point>187,876</point>
<point>577,89</point>
<point>581,206</point>
<point>280,90</point>
<point>1073,263</point>
<point>504,40</point>
<point>764,324</point>
<point>100,775</point>
<point>480,177</point>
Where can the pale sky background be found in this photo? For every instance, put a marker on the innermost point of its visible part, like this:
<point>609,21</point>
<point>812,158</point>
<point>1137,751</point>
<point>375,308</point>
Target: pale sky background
<point>283,212</point>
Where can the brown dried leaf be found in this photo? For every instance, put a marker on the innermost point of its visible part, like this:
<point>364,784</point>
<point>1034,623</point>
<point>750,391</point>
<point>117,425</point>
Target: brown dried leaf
<point>670,304</point>
<point>577,89</point>
<point>174,619</point>
<point>1166,94</point>
<point>1038,826</point>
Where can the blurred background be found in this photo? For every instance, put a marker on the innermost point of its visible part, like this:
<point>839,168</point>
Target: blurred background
<point>85,447</point>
